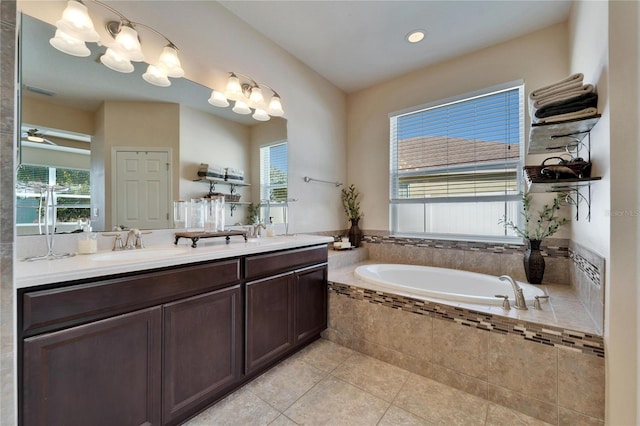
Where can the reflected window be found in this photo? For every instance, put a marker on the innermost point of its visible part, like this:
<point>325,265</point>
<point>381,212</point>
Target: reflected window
<point>73,205</point>
<point>274,168</point>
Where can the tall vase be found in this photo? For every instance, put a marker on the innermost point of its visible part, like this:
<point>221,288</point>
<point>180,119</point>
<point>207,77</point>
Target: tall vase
<point>355,234</point>
<point>533,262</point>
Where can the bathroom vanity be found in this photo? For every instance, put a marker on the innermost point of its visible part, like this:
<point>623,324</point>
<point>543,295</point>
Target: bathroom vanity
<point>158,345</point>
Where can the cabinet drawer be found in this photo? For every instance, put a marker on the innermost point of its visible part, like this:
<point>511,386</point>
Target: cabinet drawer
<point>274,263</point>
<point>48,310</point>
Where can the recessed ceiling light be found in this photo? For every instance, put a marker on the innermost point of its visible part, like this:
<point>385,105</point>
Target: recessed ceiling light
<point>415,36</point>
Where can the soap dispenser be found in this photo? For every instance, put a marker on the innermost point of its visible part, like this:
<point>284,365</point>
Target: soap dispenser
<point>87,240</point>
<point>270,231</point>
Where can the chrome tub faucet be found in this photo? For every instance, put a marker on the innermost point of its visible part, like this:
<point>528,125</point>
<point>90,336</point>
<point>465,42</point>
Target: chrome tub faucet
<point>517,290</point>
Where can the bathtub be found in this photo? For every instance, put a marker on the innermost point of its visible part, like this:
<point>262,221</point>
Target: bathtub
<point>442,283</point>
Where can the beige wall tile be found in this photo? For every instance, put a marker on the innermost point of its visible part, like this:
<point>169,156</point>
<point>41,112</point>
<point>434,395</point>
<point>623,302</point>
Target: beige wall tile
<point>498,415</point>
<point>527,368</point>
<point>460,381</point>
<point>459,348</point>
<point>571,418</point>
<point>523,403</point>
<point>581,383</point>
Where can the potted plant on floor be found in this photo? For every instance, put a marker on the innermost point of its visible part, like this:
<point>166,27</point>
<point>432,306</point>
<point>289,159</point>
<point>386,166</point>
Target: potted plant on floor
<point>535,229</point>
<point>352,209</point>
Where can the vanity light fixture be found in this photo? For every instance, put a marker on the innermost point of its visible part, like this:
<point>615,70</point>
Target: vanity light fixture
<point>248,94</point>
<point>75,28</point>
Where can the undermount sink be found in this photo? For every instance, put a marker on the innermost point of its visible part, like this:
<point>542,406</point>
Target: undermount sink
<point>137,254</point>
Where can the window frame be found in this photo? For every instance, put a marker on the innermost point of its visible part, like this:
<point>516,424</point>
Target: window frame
<point>518,164</point>
<point>266,209</point>
<point>52,172</point>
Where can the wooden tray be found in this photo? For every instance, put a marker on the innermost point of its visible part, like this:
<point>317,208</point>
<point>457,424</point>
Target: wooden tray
<point>195,236</point>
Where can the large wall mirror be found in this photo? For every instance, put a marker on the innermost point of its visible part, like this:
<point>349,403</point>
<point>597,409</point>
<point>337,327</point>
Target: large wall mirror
<point>83,124</point>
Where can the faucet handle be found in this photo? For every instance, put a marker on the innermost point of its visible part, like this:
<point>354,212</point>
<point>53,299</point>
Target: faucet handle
<point>117,243</point>
<point>536,302</point>
<point>505,303</point>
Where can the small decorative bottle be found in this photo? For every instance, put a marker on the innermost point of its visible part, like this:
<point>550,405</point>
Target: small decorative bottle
<point>87,241</point>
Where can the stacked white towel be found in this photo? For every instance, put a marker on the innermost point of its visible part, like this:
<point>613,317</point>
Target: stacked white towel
<point>568,99</point>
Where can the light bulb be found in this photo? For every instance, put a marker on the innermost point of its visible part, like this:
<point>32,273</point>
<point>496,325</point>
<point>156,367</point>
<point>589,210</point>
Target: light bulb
<point>77,23</point>
<point>218,99</point>
<point>256,100</point>
<point>234,90</point>
<point>241,108</point>
<point>156,76</point>
<point>127,44</point>
<point>69,44</point>
<point>116,62</point>
<point>170,61</point>
<point>261,115</point>
<point>275,107</point>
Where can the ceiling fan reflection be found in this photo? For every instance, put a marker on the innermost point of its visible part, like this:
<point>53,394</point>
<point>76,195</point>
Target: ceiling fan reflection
<point>33,135</point>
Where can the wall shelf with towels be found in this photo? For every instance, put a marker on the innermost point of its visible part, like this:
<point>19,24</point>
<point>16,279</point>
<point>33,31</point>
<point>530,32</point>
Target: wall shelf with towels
<point>233,187</point>
<point>573,137</point>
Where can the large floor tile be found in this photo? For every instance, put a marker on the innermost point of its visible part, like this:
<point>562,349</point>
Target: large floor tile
<point>241,408</point>
<point>498,415</point>
<point>285,383</point>
<point>439,403</point>
<point>334,402</point>
<point>371,375</point>
<point>396,416</point>
<point>324,354</point>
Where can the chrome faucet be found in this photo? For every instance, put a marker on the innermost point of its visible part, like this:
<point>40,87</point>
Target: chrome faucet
<point>134,239</point>
<point>257,230</point>
<point>517,290</point>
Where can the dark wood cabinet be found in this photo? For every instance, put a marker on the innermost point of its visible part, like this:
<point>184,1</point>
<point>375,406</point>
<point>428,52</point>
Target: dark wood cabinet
<point>157,347</point>
<point>269,325</point>
<point>202,340</point>
<point>310,306</point>
<point>103,373</point>
<point>284,312</point>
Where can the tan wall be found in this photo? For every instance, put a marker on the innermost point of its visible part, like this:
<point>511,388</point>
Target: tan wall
<point>538,58</point>
<point>605,40</point>
<point>205,138</point>
<point>39,112</point>
<point>138,124</point>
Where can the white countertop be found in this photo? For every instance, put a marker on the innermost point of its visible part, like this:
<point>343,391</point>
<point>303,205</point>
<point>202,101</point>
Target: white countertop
<point>29,274</point>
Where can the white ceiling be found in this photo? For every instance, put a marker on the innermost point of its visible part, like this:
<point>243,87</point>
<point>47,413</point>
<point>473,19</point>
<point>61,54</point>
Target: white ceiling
<point>357,44</point>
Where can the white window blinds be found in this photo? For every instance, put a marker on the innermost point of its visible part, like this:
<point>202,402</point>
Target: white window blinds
<point>461,152</point>
<point>273,181</point>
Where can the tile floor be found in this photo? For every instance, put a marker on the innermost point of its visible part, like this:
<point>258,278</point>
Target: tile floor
<point>329,384</point>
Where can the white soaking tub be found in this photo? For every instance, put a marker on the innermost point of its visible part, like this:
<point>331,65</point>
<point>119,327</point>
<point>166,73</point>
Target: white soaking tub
<point>442,283</point>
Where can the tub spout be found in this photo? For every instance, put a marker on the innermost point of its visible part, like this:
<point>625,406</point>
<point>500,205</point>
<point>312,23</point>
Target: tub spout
<point>517,290</point>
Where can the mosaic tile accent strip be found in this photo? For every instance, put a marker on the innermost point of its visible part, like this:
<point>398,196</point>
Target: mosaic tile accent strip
<point>547,250</point>
<point>591,270</point>
<point>543,334</point>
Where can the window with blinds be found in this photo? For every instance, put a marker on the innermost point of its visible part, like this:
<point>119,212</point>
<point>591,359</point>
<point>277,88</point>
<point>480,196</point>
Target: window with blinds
<point>456,166</point>
<point>273,182</point>
<point>72,205</point>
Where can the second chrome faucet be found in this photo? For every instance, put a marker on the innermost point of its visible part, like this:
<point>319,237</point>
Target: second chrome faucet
<point>517,290</point>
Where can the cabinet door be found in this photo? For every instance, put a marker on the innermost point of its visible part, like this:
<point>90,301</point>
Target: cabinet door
<point>310,302</point>
<point>202,349</point>
<point>102,373</point>
<point>269,326</point>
